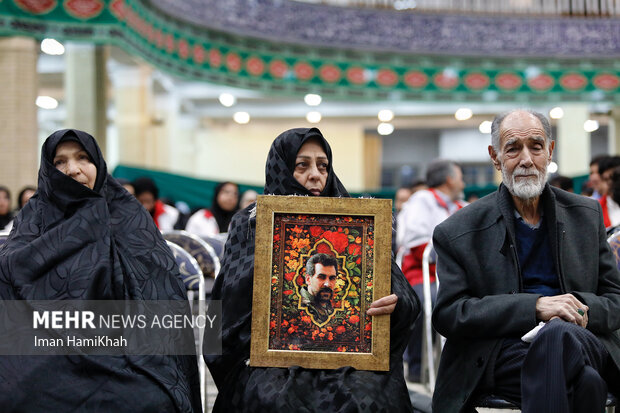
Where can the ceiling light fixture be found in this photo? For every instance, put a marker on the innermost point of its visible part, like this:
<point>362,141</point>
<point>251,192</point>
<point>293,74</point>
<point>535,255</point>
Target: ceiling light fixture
<point>385,128</point>
<point>46,102</point>
<point>52,47</point>
<point>313,99</point>
<point>226,99</point>
<point>313,117</point>
<point>241,117</point>
<point>385,115</point>
<point>463,114</point>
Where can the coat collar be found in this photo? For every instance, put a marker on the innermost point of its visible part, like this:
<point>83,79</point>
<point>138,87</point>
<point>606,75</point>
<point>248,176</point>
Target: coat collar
<point>548,202</point>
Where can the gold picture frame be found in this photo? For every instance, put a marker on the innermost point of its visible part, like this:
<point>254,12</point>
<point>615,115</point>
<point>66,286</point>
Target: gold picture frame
<point>300,319</point>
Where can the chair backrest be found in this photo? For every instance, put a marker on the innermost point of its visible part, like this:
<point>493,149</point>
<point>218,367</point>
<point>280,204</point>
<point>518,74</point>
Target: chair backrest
<point>198,248</point>
<point>217,243</point>
<point>191,273</point>
<point>3,236</point>
<point>614,243</point>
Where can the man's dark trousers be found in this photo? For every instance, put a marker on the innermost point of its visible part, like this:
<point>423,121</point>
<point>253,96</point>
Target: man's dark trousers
<point>561,371</point>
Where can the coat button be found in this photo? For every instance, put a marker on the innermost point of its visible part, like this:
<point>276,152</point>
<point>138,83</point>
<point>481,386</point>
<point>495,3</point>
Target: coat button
<point>480,362</point>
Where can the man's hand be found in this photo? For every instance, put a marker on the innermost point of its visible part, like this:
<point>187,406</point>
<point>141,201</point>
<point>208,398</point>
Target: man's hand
<point>383,305</point>
<point>564,306</point>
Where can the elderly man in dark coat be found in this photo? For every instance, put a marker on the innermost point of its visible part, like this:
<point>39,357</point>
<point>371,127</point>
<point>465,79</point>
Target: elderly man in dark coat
<point>527,254</point>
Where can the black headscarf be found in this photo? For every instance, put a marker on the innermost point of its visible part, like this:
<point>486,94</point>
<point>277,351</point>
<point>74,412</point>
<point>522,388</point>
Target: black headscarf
<point>223,217</point>
<point>251,389</point>
<point>8,217</point>
<point>279,179</point>
<point>71,242</point>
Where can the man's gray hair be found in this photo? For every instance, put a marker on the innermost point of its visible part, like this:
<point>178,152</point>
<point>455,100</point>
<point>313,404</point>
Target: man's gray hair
<point>497,122</point>
<point>325,260</point>
<point>438,171</point>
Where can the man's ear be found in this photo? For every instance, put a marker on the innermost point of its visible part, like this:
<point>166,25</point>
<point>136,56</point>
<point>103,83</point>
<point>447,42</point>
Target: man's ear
<point>494,159</point>
<point>551,147</point>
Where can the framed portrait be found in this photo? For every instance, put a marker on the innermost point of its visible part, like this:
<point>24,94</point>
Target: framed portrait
<point>319,263</point>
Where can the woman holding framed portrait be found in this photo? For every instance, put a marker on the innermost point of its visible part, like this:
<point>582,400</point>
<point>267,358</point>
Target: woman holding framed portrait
<point>300,163</point>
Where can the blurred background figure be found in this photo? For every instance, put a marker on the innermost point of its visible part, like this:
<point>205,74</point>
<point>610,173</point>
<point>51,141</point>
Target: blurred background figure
<point>594,178</point>
<point>24,195</point>
<point>165,216</point>
<point>213,221</point>
<point>248,198</point>
<point>562,182</point>
<point>611,210</point>
<point>417,185</point>
<point>586,189</point>
<point>402,195</point>
<point>6,216</point>
<point>126,183</point>
<point>423,211</point>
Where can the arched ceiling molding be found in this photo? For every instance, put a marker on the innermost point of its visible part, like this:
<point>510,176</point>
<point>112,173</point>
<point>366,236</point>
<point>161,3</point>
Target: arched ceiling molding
<point>402,32</point>
<point>274,64</point>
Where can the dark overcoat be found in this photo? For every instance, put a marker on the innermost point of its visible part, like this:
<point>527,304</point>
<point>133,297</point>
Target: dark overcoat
<point>480,299</point>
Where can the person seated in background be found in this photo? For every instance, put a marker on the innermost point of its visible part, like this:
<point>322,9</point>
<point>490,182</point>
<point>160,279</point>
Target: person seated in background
<point>594,179</point>
<point>562,182</point>
<point>6,215</point>
<point>418,185</point>
<point>248,198</point>
<point>525,254</point>
<point>416,222</point>
<point>24,195</point>
<point>126,183</point>
<point>83,237</point>
<point>213,221</point>
<point>611,210</point>
<point>164,215</point>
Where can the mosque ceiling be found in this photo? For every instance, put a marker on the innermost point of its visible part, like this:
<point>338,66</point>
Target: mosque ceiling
<point>288,48</point>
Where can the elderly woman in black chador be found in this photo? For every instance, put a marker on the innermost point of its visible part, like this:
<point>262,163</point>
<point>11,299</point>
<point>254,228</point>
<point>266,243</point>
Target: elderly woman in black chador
<point>83,237</point>
<point>300,163</point>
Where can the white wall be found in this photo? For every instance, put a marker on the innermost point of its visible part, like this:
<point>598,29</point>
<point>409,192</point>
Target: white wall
<point>228,151</point>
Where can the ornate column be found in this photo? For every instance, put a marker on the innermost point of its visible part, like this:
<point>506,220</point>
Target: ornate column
<point>19,147</point>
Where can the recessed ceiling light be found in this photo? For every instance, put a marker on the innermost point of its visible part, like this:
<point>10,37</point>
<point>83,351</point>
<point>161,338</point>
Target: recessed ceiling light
<point>485,126</point>
<point>241,117</point>
<point>313,99</point>
<point>313,117</point>
<point>46,102</point>
<point>385,115</point>
<point>463,114</point>
<point>52,47</point>
<point>556,113</point>
<point>385,128</point>
<point>226,99</point>
<point>590,125</point>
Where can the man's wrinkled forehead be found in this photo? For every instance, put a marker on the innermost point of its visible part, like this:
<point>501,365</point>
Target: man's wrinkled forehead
<point>520,126</point>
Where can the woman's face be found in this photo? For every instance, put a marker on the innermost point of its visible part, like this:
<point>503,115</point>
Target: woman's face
<point>71,159</point>
<point>5,203</point>
<point>228,197</point>
<point>311,167</point>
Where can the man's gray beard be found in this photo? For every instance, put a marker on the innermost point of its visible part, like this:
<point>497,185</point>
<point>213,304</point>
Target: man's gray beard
<point>525,188</point>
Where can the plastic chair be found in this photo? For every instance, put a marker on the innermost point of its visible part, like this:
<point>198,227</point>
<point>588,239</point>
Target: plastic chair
<point>217,243</point>
<point>3,236</point>
<point>201,251</point>
<point>429,256</point>
<point>194,281</point>
<point>614,244</point>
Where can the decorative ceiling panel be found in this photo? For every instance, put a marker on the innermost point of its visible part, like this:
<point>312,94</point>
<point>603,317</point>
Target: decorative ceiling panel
<point>281,63</point>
